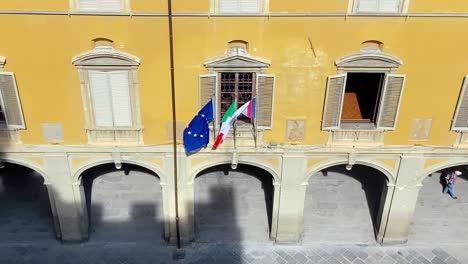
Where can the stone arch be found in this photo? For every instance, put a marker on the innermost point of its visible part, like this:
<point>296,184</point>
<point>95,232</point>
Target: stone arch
<point>274,174</point>
<point>438,167</point>
<point>94,163</point>
<point>327,164</point>
<point>28,165</point>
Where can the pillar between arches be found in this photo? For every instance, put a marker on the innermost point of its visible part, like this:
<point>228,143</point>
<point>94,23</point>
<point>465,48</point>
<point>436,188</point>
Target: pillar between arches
<point>403,201</point>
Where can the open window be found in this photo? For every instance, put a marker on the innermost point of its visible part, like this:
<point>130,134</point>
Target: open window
<point>365,95</point>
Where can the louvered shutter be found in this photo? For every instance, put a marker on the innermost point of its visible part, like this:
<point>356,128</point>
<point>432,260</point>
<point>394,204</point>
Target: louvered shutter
<point>333,101</point>
<point>121,104</point>
<point>110,5</point>
<point>460,122</point>
<point>10,101</point>
<point>264,100</point>
<point>229,6</point>
<point>389,6</point>
<point>88,5</point>
<point>249,6</point>
<point>367,6</point>
<point>207,85</point>
<point>101,99</point>
<point>390,101</point>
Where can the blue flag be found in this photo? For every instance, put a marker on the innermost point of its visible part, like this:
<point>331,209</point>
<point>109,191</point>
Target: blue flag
<point>196,135</point>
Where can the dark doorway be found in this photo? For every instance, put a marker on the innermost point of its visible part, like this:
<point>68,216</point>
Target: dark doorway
<point>123,205</point>
<point>344,206</point>
<point>233,205</point>
<point>25,214</point>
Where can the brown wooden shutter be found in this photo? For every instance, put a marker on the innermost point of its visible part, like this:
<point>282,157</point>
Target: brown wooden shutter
<point>333,102</point>
<point>390,101</point>
<point>460,120</point>
<point>10,102</point>
<point>264,101</point>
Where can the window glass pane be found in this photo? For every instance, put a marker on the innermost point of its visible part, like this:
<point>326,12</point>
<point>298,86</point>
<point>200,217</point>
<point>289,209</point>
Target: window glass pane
<point>238,85</point>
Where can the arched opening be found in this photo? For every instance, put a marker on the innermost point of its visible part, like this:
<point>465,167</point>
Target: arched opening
<point>233,205</point>
<point>344,206</point>
<point>123,205</point>
<point>25,212</point>
<point>437,217</point>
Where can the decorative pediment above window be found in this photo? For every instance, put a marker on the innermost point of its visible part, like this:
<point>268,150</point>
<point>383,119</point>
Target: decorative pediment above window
<point>365,59</point>
<point>105,56</point>
<point>2,61</point>
<point>237,58</point>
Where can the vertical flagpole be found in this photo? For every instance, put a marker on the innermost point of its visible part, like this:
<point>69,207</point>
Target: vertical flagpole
<point>174,119</point>
<point>253,121</point>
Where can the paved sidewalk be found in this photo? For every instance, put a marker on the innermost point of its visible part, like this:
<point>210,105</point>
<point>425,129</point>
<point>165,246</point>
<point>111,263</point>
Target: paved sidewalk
<point>123,253</point>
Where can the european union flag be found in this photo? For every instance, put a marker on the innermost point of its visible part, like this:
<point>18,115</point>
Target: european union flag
<point>196,135</point>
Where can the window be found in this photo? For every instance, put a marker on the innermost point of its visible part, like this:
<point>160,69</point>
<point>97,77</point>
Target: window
<point>460,121</point>
<point>239,6</point>
<point>109,88</point>
<point>365,95</point>
<point>236,85</point>
<point>379,6</point>
<point>11,114</point>
<point>238,75</point>
<point>100,5</point>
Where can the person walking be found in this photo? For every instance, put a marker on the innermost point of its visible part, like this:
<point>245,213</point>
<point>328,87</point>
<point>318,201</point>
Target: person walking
<point>451,179</point>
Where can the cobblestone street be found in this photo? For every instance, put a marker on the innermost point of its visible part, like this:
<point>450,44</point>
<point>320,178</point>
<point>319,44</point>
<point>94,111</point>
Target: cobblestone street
<point>229,253</point>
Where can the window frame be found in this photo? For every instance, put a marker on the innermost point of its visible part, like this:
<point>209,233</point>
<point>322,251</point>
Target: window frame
<point>353,8</point>
<point>263,8</point>
<point>124,7</point>
<point>107,59</point>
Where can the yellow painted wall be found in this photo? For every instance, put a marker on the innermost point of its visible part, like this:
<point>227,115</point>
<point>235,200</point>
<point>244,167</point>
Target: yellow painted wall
<point>40,48</point>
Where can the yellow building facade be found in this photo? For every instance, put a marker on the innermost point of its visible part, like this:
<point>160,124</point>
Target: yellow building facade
<point>303,57</point>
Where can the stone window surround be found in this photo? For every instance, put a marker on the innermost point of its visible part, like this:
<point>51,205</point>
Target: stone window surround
<point>352,7</point>
<point>8,135</point>
<point>264,7</point>
<point>106,58</point>
<point>125,6</point>
<point>367,60</point>
<point>247,63</point>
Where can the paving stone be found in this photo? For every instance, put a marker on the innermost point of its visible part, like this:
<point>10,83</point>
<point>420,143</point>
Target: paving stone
<point>437,260</point>
<point>440,253</point>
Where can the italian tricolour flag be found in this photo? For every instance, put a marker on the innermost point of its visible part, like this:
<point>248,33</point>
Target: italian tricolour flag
<point>247,109</point>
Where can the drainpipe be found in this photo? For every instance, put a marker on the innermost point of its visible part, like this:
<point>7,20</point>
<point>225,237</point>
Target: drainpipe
<point>174,118</point>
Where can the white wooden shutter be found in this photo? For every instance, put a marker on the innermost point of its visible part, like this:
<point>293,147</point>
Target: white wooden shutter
<point>88,5</point>
<point>110,5</point>
<point>264,101</point>
<point>10,101</point>
<point>229,6</point>
<point>389,6</point>
<point>101,99</point>
<point>367,6</point>
<point>334,96</point>
<point>250,6</point>
<point>460,120</point>
<point>390,101</point>
<point>121,103</point>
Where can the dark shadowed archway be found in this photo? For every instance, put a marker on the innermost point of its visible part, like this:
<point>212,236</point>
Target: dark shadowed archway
<point>344,206</point>
<point>25,212</point>
<point>233,205</point>
<point>123,205</point>
<point>437,217</point>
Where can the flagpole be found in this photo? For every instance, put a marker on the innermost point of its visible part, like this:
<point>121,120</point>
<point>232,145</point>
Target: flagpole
<point>253,120</point>
<point>174,120</point>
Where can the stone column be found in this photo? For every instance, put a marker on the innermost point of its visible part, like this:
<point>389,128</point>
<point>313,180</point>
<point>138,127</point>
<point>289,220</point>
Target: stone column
<point>169,199</point>
<point>291,199</point>
<point>66,203</point>
<point>403,202</point>
<point>186,203</point>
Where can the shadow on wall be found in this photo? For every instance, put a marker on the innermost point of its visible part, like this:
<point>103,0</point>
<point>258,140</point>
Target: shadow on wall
<point>374,185</point>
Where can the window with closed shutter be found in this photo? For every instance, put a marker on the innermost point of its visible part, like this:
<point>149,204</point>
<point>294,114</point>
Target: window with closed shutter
<point>239,6</point>
<point>11,112</point>
<point>100,5</point>
<point>376,6</point>
<point>460,120</point>
<point>110,99</point>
